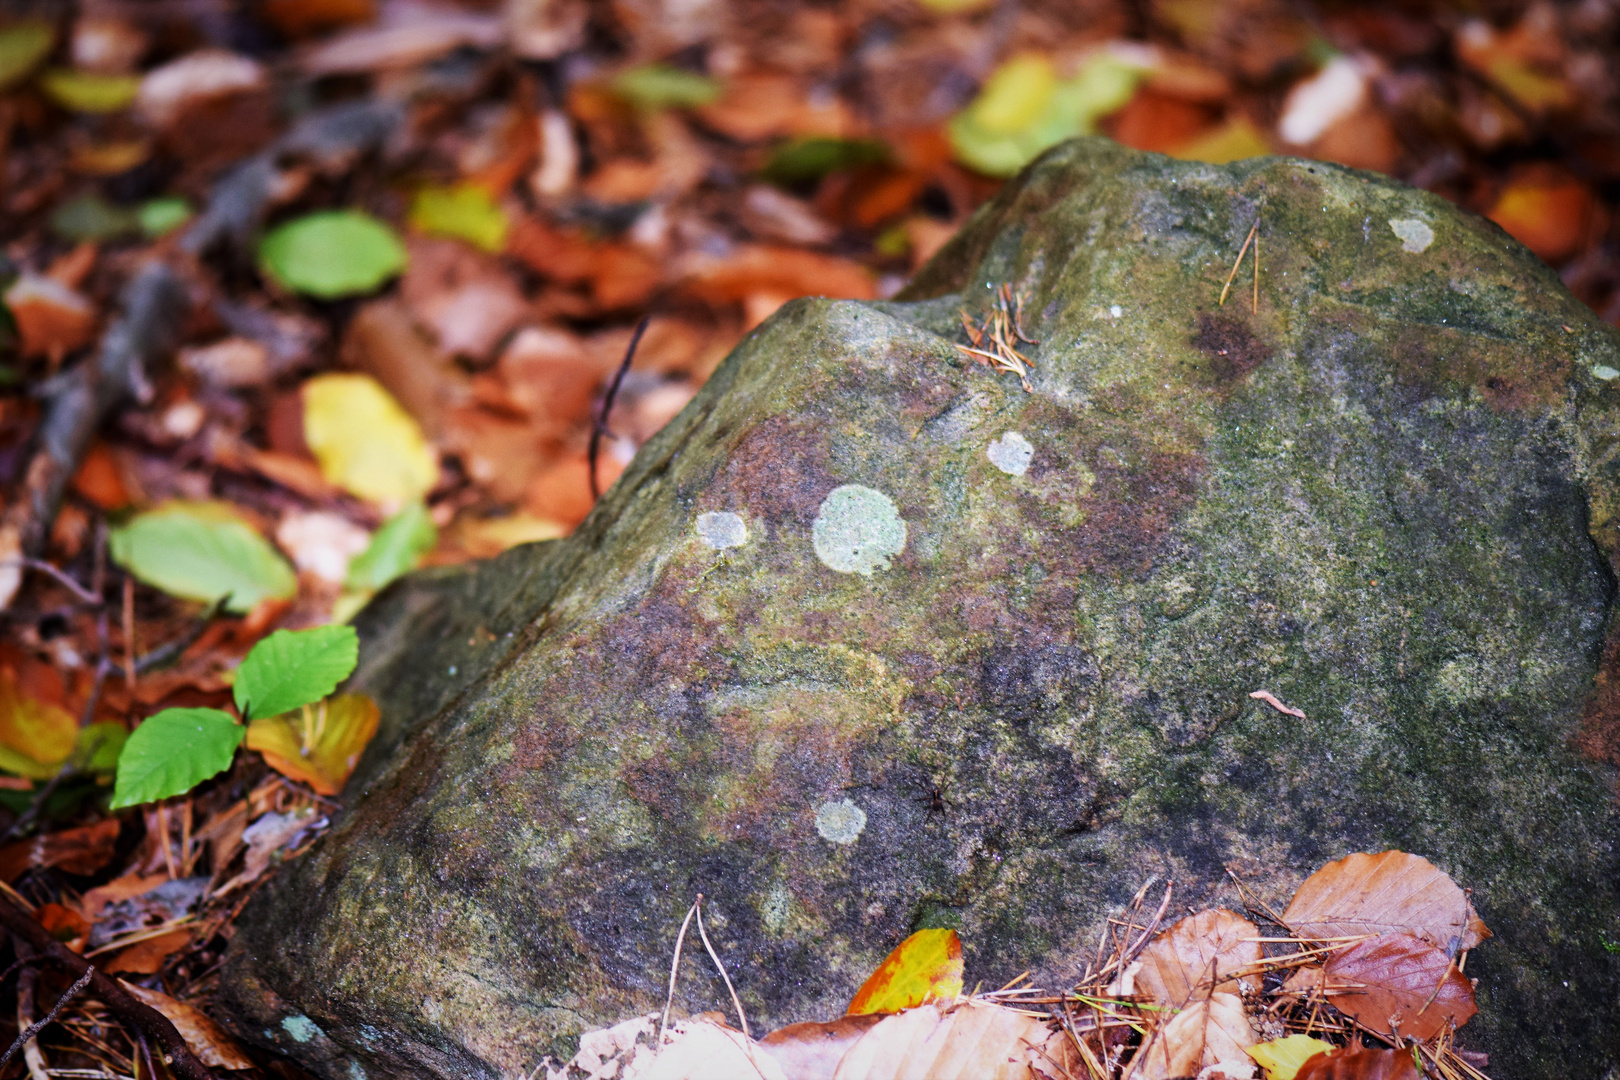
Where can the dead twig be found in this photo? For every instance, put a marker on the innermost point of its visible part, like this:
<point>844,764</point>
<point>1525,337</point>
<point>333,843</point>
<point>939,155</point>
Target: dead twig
<point>674,970</point>
<point>37,1026</point>
<point>600,427</point>
<point>143,1018</point>
<point>722,968</point>
<point>1244,250</point>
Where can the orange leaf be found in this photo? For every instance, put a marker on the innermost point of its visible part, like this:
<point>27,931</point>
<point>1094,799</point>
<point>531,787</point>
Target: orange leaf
<point>927,966</point>
<point>320,747</point>
<point>1391,891</point>
<point>147,957</point>
<point>1548,212</point>
<point>1359,1063</point>
<point>206,1039</point>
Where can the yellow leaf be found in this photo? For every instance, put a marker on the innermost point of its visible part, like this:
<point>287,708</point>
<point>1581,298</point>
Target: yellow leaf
<point>35,737</point>
<point>927,966</point>
<point>319,745</point>
<point>365,443</point>
<point>1014,96</point>
<point>88,91</point>
<point>1282,1058</point>
<point>1232,141</point>
<point>465,211</point>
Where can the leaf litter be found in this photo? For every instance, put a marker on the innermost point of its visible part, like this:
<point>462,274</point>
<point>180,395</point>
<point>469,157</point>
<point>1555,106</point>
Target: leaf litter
<point>1209,995</point>
<point>297,190</point>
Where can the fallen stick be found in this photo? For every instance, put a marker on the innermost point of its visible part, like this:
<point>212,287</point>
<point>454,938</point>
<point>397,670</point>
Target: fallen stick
<point>176,1054</point>
<point>80,399</point>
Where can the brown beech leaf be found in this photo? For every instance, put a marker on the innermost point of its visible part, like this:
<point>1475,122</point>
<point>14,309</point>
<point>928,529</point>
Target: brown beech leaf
<point>81,850</point>
<point>1388,983</point>
<point>812,1051</point>
<point>1181,963</point>
<point>1391,891</point>
<point>971,1041</point>
<point>206,1038</point>
<point>1359,1063</point>
<point>1204,1033</point>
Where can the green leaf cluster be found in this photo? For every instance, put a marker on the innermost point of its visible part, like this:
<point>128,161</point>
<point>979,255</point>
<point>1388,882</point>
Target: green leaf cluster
<point>177,749</point>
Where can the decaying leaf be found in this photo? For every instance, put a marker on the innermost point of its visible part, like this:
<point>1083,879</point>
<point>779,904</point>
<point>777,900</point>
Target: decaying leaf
<point>81,850</point>
<point>35,736</point>
<point>927,966</point>
<point>1398,984</point>
<point>322,745</point>
<point>147,956</point>
<point>52,319</point>
<point>1182,964</point>
<point>1206,1032</point>
<point>969,1041</point>
<point>1390,891</point>
<point>1359,1063</point>
<point>206,1038</point>
<point>1282,1058</point>
<point>812,1051</point>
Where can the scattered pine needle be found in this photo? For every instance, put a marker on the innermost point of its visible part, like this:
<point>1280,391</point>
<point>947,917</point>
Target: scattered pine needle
<point>995,340</point>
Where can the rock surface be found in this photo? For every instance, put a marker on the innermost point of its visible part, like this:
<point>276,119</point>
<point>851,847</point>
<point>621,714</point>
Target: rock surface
<point>871,639</point>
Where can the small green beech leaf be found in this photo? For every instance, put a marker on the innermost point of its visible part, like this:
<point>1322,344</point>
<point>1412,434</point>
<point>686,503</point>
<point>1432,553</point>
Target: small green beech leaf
<point>98,747</point>
<point>291,668</point>
<point>203,551</point>
<point>395,549</point>
<point>662,86</point>
<point>465,211</point>
<point>158,217</point>
<point>803,161</point>
<point>332,253</point>
<point>172,752</point>
<point>90,217</point>
<point>22,46</point>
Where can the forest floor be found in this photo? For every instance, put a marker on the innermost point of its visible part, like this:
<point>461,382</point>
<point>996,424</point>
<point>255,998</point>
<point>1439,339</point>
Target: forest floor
<point>278,273</point>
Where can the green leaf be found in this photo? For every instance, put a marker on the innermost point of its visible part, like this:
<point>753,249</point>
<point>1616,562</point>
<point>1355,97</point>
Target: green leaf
<point>395,549</point>
<point>158,217</point>
<point>661,86</point>
<point>98,747</point>
<point>800,162</point>
<point>292,668</point>
<point>173,752</point>
<point>22,46</point>
<point>90,217</point>
<point>89,91</point>
<point>332,253</point>
<point>203,551</point>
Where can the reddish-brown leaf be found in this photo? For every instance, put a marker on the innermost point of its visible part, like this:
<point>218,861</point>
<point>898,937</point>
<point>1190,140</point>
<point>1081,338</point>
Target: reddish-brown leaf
<point>206,1039</point>
<point>812,1051</point>
<point>1398,984</point>
<point>1389,892</point>
<point>82,850</point>
<point>1359,1063</point>
<point>1184,962</point>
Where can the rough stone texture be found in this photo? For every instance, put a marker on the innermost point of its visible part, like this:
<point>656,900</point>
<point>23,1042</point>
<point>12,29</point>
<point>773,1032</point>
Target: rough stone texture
<point>1388,498</point>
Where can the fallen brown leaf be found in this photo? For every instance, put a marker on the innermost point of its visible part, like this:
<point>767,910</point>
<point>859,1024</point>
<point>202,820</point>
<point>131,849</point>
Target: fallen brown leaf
<point>206,1038</point>
<point>146,957</point>
<point>1181,964</point>
<point>1359,1063</point>
<point>812,1051</point>
<point>1398,984</point>
<point>82,850</point>
<point>52,319</point>
<point>1205,1033</point>
<point>971,1041</point>
<point>1390,891</point>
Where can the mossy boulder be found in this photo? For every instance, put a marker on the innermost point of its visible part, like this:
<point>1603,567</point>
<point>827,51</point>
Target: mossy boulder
<point>871,638</point>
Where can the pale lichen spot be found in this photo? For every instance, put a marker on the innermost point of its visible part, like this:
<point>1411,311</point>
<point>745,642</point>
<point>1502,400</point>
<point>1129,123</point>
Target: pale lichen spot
<point>1605,372</point>
<point>722,529</point>
<point>301,1027</point>
<point>1011,453</point>
<point>356,1072</point>
<point>1116,311</point>
<point>858,530</point>
<point>840,822</point>
<point>1415,236</point>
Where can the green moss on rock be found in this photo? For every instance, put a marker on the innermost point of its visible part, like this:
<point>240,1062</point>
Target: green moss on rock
<point>1388,497</point>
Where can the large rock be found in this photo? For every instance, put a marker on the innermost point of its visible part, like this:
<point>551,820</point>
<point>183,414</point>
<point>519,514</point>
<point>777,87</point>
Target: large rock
<point>859,568</point>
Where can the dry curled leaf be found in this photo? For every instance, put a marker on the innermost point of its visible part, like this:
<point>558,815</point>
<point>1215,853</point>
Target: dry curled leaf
<point>1204,1033</point>
<point>206,1038</point>
<point>1183,963</point>
<point>1397,984</point>
<point>1388,892</point>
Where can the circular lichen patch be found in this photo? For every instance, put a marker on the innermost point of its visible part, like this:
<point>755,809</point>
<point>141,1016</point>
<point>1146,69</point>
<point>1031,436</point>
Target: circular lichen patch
<point>1011,453</point>
<point>858,530</point>
<point>722,529</point>
<point>1415,236</point>
<point>841,821</point>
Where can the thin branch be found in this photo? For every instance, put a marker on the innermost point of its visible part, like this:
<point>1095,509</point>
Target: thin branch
<point>1242,251</point>
<point>674,969</point>
<point>600,427</point>
<point>176,1054</point>
<point>39,1025</point>
<point>61,577</point>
